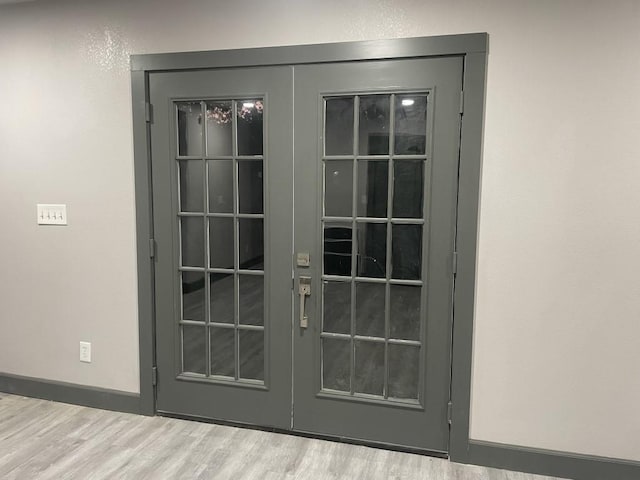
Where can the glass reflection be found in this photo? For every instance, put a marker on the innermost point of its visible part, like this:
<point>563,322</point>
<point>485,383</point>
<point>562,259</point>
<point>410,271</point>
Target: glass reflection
<point>405,312</point>
<point>251,231</point>
<point>373,185</point>
<point>338,188</point>
<point>193,298</point>
<point>192,240</point>
<point>219,128</point>
<point>337,307</point>
<point>223,352</point>
<point>193,349</point>
<point>221,242</point>
<point>406,259</point>
<point>251,309</point>
<point>191,189</point>
<point>337,249</point>
<point>410,124</point>
<point>336,361</point>
<point>370,309</point>
<point>374,125</point>
<point>220,186</point>
<point>372,250</point>
<point>222,298</point>
<point>250,186</point>
<point>369,368</point>
<point>251,354</point>
<point>250,113</point>
<point>404,369</point>
<point>408,188</point>
<point>338,126</point>
<point>189,129</point>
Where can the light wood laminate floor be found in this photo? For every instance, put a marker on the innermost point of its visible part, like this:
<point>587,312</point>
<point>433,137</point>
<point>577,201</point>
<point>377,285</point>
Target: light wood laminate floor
<point>48,440</point>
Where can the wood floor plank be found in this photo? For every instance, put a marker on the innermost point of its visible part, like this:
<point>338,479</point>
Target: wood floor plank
<point>51,441</point>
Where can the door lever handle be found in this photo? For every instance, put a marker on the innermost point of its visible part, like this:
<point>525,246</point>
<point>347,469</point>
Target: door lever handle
<point>304,290</point>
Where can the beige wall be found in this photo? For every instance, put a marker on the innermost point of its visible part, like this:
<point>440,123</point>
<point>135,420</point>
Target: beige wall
<point>557,357</point>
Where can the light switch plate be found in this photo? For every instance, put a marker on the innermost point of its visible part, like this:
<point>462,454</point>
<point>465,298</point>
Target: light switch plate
<point>85,352</point>
<point>52,214</point>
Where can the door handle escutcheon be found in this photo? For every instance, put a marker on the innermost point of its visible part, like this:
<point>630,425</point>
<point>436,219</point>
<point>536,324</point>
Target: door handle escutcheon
<point>304,290</point>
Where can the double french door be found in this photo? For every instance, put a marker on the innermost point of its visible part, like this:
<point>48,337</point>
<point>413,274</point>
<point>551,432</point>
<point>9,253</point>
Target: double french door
<point>305,218</point>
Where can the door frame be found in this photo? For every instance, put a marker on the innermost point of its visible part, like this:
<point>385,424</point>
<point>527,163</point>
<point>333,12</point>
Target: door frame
<point>473,48</point>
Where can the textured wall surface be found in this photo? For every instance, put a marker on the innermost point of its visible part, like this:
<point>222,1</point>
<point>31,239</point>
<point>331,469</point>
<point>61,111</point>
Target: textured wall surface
<point>556,357</point>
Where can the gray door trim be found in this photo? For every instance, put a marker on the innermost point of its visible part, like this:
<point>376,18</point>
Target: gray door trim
<point>471,136</point>
<point>473,47</point>
<point>319,53</point>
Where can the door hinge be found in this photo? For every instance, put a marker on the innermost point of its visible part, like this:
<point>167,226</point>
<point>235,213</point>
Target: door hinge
<point>148,112</point>
<point>152,248</point>
<point>154,376</point>
<point>449,412</point>
<point>461,101</point>
<point>454,263</point>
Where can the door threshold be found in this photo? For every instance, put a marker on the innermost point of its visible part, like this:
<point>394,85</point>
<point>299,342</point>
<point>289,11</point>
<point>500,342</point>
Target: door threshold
<point>304,434</point>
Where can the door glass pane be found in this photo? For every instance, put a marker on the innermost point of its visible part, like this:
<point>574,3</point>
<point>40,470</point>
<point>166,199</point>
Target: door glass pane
<point>250,127</point>
<point>222,298</point>
<point>338,188</point>
<point>250,186</point>
<point>404,320</point>
<point>251,310</point>
<point>336,361</point>
<point>221,242</point>
<point>369,368</point>
<point>337,249</point>
<point>404,368</point>
<point>251,231</point>
<point>406,257</point>
<point>193,349</point>
<point>408,188</point>
<point>337,307</point>
<point>339,126</point>
<point>220,186</point>
<point>252,354</point>
<point>191,190</point>
<point>372,250</point>
<point>373,176</point>
<point>192,236</point>
<point>193,298</point>
<point>374,125</point>
<point>189,129</point>
<point>219,128</point>
<point>410,124</point>
<point>370,309</point>
<point>223,352</point>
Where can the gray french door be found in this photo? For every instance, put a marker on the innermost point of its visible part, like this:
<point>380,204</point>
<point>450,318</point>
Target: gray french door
<point>304,280</point>
<point>376,153</point>
<point>222,200</point>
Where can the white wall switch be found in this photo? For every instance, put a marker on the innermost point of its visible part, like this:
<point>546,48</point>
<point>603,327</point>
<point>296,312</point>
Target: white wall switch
<point>50,214</point>
<point>85,352</point>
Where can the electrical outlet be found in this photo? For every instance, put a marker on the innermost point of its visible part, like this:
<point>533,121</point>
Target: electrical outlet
<point>85,352</point>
